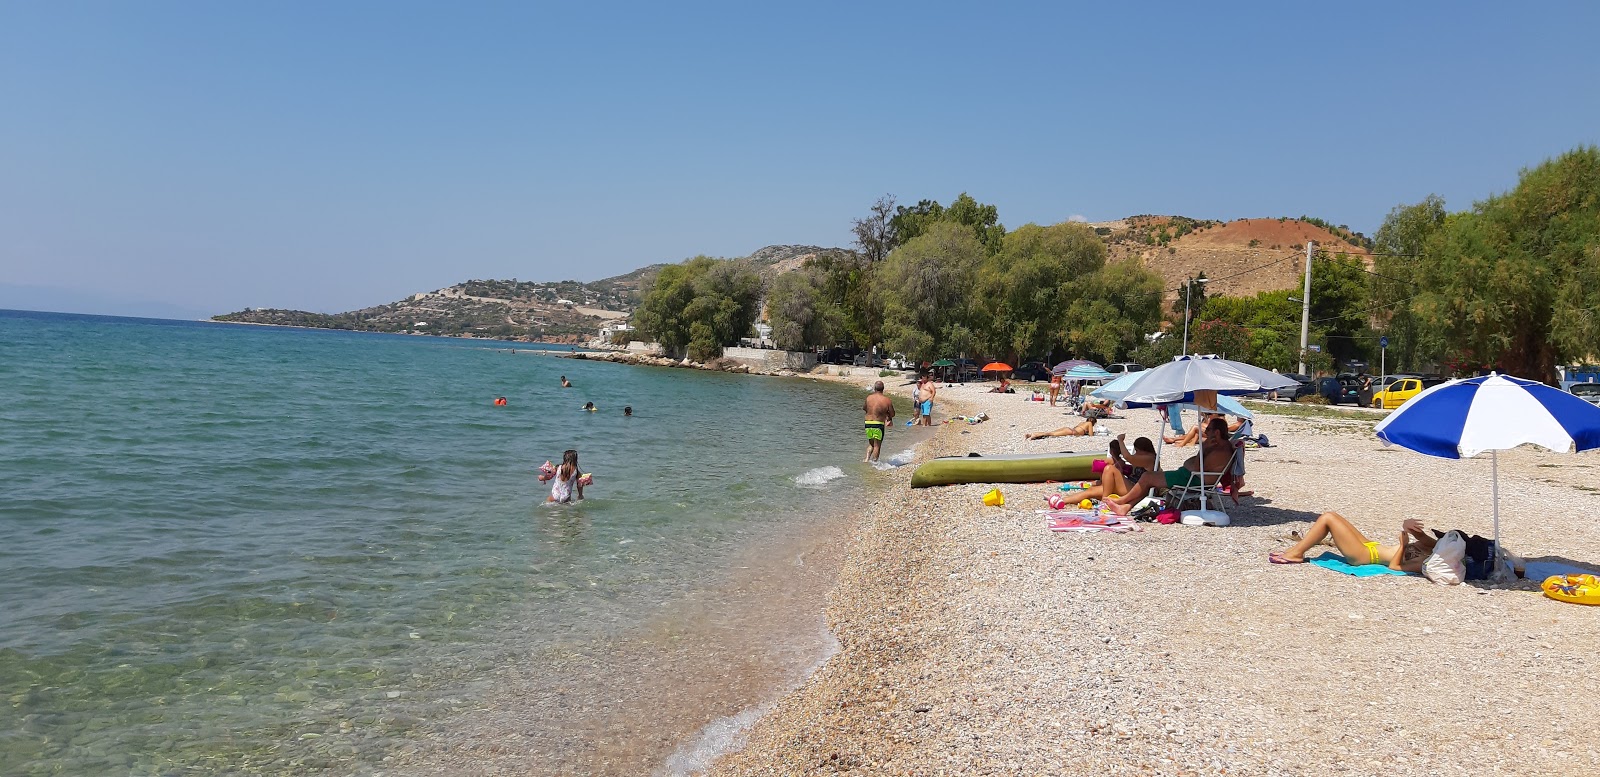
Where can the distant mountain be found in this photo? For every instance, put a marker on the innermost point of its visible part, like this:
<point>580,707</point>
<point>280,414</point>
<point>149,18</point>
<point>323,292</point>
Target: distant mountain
<point>1243,257</point>
<point>58,300</point>
<point>556,311</point>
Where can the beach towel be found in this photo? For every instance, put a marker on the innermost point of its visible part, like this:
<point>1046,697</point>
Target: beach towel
<point>1084,521</point>
<point>1337,563</point>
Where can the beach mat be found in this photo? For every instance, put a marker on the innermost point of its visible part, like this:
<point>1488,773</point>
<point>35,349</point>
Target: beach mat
<point>1539,570</point>
<point>1337,563</point>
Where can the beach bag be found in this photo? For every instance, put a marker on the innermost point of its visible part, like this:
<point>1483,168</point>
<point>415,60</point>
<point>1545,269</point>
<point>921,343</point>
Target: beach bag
<point>1445,566</point>
<point>1168,516</point>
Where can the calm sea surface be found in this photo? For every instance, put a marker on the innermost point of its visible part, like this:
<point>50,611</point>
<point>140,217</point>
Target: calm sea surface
<point>231,548</point>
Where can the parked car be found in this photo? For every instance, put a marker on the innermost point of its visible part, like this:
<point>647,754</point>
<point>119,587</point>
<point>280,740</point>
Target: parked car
<point>866,359</point>
<point>1285,395</point>
<point>1122,367</point>
<point>1397,392</point>
<point>1033,371</point>
<point>1589,392</point>
<point>1336,391</point>
<point>965,370</point>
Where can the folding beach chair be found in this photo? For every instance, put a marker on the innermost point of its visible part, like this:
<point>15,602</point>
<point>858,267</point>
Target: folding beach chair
<point>1213,485</point>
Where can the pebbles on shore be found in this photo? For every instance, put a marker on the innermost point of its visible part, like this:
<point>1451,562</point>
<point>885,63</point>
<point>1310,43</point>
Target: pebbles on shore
<point>973,641</point>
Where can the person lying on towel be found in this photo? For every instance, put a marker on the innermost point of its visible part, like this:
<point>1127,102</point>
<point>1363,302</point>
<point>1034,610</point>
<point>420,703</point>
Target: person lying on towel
<point>1218,452</point>
<point>1081,430</point>
<point>1413,549</point>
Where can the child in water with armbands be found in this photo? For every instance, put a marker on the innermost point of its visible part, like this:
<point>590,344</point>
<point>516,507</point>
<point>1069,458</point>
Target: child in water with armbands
<point>569,482</point>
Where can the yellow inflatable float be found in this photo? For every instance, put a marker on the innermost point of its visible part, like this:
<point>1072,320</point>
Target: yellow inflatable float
<point>1578,589</point>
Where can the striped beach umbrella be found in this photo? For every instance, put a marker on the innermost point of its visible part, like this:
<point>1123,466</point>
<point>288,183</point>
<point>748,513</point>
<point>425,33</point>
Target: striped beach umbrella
<point>1462,418</point>
<point>1087,372</point>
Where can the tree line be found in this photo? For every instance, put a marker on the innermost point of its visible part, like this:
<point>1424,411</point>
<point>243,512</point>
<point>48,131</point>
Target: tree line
<point>926,280</point>
<point>1512,283</point>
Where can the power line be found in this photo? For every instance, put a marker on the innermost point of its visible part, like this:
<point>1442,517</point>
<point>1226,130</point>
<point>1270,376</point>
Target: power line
<point>1373,309</point>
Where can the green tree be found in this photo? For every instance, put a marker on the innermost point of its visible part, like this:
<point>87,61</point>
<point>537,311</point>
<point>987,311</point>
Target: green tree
<point>1024,291</point>
<point>1340,309</point>
<point>846,279</point>
<point>924,287</point>
<point>800,312</point>
<point>700,306</point>
<point>982,220</point>
<point>1406,236</point>
<point>1515,282</point>
<point>1111,311</point>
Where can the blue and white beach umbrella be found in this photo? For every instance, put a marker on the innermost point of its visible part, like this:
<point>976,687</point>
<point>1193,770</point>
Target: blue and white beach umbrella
<point>1492,413</point>
<point>1087,372</point>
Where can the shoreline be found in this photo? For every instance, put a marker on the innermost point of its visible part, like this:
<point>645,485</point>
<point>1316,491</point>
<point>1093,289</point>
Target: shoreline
<point>751,633</point>
<point>974,641</point>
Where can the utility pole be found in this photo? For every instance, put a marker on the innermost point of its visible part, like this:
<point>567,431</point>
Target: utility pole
<point>1305,308</point>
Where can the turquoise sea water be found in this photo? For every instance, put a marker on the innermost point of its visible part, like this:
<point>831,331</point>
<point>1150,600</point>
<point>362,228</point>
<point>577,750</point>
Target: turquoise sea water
<point>234,548</point>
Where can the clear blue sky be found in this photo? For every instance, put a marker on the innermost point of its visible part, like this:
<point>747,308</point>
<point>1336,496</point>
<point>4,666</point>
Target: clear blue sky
<point>327,156</point>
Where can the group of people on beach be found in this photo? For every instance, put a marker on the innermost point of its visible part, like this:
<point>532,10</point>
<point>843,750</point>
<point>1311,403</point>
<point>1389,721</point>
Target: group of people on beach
<point>1133,474</point>
<point>879,410</point>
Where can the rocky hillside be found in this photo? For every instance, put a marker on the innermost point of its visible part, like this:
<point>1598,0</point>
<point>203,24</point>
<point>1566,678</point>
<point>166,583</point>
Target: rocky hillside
<point>555,311</point>
<point>1242,257</point>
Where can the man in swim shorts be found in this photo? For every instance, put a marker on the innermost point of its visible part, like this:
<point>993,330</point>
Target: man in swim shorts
<point>929,390</point>
<point>880,413</point>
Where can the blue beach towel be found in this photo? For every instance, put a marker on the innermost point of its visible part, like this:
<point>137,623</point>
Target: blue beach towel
<point>1337,563</point>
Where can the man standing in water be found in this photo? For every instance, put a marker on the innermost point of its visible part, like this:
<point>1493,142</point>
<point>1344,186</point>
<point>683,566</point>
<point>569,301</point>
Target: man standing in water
<point>930,387</point>
<point>880,413</point>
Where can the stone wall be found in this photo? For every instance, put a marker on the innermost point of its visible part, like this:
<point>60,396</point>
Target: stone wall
<point>767,359</point>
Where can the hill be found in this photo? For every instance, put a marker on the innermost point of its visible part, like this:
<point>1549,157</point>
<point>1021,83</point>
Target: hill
<point>1242,257</point>
<point>554,311</point>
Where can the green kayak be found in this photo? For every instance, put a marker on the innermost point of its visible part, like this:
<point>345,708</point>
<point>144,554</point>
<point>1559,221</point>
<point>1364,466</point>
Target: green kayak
<point>1006,468</point>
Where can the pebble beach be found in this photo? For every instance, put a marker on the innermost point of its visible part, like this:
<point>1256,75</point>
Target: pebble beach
<point>974,641</point>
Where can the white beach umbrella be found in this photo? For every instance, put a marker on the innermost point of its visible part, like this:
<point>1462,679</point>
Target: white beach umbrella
<point>1179,380</point>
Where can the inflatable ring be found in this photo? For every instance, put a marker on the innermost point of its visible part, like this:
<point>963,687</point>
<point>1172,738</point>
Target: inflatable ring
<point>1577,589</point>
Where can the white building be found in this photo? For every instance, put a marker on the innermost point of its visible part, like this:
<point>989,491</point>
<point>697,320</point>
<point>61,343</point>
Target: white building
<point>611,329</point>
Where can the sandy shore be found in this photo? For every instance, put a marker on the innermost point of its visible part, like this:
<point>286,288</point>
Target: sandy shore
<point>973,641</point>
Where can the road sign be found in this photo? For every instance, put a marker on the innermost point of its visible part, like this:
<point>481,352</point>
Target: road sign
<point>1314,348</point>
<point>1383,342</point>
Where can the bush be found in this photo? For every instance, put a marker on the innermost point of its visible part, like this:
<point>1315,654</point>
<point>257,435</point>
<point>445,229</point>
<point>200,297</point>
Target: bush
<point>1312,399</point>
<point>887,373</point>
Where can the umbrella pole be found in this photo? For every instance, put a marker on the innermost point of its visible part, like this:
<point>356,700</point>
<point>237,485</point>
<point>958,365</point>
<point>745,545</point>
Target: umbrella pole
<point>1494,491</point>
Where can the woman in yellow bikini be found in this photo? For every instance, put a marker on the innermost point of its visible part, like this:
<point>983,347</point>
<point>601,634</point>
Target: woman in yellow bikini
<point>1413,549</point>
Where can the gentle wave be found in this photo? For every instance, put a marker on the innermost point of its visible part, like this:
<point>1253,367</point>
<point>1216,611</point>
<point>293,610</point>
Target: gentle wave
<point>820,476</point>
<point>897,460</point>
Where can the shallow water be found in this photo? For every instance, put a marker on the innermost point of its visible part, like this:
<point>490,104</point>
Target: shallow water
<point>246,549</point>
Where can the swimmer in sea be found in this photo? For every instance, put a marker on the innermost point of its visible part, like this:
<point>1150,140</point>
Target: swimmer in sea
<point>589,406</point>
<point>627,412</point>
<point>880,414</point>
<point>565,383</point>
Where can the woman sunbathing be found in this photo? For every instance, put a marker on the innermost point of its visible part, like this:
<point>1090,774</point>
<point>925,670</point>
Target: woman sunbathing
<point>1414,548</point>
<point>1081,430</point>
<point>1126,468</point>
<point>1190,437</point>
<point>1218,455</point>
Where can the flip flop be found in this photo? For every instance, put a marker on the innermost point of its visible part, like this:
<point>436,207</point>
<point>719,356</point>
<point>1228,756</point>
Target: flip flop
<point>1277,558</point>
